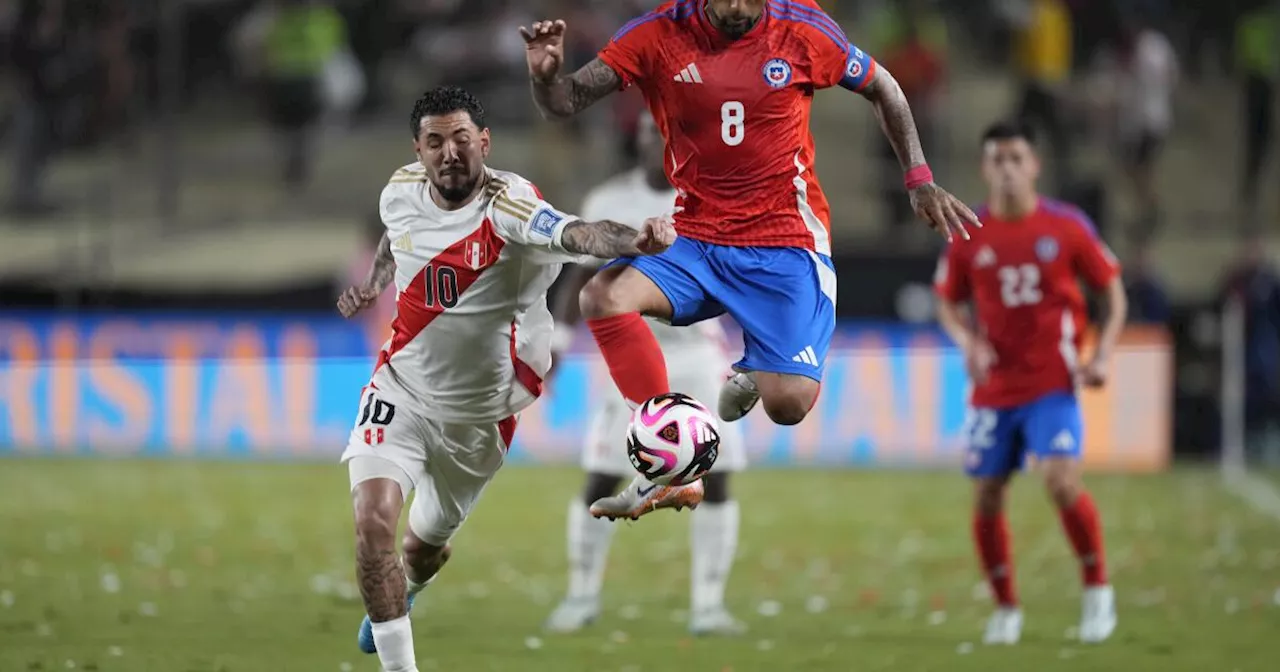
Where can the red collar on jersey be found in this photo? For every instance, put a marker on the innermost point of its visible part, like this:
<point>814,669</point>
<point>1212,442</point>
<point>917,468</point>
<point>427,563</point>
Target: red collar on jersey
<point>718,38</point>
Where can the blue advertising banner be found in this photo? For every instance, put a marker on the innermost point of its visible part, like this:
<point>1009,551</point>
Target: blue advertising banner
<point>286,387</point>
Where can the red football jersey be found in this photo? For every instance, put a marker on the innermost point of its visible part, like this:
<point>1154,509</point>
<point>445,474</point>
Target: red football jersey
<point>735,116</point>
<point>1022,278</point>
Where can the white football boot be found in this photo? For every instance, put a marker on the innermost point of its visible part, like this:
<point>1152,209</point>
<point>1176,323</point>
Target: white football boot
<point>1097,614</point>
<point>715,622</point>
<point>573,614</point>
<point>738,396</point>
<point>1004,626</point>
<point>642,497</point>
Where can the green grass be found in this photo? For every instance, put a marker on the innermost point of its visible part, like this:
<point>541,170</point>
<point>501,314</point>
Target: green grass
<point>182,566</point>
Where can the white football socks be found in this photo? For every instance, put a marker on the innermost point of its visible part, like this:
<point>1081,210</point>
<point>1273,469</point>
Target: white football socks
<point>713,542</point>
<point>394,639</point>
<point>589,540</point>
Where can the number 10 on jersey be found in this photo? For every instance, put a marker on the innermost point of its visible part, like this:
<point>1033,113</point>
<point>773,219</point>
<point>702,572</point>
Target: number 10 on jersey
<point>733,118</point>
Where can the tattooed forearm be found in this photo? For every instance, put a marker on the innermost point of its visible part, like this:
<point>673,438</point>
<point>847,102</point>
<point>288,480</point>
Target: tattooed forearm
<point>383,270</point>
<point>604,239</point>
<point>895,118</point>
<point>382,582</point>
<point>563,97</point>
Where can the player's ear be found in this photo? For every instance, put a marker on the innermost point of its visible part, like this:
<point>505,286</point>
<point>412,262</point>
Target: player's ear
<point>484,143</point>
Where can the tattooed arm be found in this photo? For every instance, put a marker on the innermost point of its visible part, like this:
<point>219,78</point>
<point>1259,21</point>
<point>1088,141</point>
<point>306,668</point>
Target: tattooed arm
<point>562,97</point>
<point>604,239</point>
<point>895,117</point>
<point>943,212</point>
<point>381,273</point>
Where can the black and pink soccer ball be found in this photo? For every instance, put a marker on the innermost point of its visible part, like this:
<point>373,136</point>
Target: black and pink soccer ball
<point>673,439</point>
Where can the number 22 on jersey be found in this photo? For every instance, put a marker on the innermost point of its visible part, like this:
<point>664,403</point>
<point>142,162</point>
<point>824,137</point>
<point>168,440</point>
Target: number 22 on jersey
<point>1020,285</point>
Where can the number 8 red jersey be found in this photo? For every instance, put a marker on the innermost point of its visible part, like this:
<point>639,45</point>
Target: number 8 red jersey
<point>735,116</point>
<point>1023,280</point>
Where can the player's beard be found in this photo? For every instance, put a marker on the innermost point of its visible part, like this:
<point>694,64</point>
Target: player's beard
<point>733,28</point>
<point>456,187</point>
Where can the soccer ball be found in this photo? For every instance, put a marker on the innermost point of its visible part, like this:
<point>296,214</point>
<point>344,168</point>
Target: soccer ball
<point>673,439</point>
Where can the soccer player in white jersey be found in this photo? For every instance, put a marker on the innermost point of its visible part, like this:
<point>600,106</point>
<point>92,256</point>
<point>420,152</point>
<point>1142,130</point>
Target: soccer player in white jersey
<point>699,365</point>
<point>472,252</point>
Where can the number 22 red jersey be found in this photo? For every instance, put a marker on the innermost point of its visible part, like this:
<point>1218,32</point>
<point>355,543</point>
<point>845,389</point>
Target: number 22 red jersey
<point>735,116</point>
<point>1023,280</point>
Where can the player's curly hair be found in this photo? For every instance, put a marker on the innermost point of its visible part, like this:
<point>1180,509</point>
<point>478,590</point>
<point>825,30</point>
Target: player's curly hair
<point>445,100</point>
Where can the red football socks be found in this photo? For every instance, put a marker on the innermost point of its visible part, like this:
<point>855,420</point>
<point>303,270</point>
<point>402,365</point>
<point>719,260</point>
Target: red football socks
<point>634,358</point>
<point>1081,523</point>
<point>991,534</point>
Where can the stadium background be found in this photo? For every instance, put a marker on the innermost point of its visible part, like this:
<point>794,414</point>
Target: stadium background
<point>167,279</point>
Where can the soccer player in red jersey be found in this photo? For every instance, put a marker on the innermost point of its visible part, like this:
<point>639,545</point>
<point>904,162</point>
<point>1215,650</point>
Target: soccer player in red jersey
<point>1020,276</point>
<point>730,84</point>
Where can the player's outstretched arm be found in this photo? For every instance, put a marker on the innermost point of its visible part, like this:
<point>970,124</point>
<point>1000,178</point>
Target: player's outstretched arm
<point>562,97</point>
<point>381,273</point>
<point>607,239</point>
<point>932,203</point>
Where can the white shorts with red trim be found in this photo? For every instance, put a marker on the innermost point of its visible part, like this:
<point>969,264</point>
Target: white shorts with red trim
<point>446,464</point>
<point>697,371</point>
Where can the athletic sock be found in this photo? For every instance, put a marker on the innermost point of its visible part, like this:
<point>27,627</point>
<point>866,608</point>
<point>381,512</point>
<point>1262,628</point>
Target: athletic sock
<point>394,639</point>
<point>1084,529</point>
<point>714,542</point>
<point>991,535</point>
<point>635,361</point>
<point>589,539</point>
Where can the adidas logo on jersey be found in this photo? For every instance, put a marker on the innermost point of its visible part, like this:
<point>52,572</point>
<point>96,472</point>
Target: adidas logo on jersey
<point>404,243</point>
<point>689,75</point>
<point>806,356</point>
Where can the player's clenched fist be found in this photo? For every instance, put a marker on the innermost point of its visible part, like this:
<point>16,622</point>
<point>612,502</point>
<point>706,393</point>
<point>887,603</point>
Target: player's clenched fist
<point>943,212</point>
<point>356,299</point>
<point>544,48</point>
<point>656,236</point>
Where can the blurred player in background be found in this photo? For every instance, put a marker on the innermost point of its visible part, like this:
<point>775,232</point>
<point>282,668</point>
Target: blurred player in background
<point>730,84</point>
<point>699,364</point>
<point>472,252</point>
<point>1020,276</point>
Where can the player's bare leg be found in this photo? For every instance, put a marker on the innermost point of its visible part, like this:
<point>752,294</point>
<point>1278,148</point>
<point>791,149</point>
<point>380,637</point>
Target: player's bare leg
<point>589,540</point>
<point>378,503</point>
<point>713,541</point>
<point>1083,527</point>
<point>787,397</point>
<point>991,536</point>
<point>612,303</point>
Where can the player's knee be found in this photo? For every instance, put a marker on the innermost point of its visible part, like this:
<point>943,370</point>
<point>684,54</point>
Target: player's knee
<point>603,297</point>
<point>788,409</point>
<point>716,488</point>
<point>376,523</point>
<point>989,496</point>
<point>1063,484</point>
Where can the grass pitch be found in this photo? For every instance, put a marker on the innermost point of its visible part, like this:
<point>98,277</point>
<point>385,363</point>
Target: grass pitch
<point>182,566</point>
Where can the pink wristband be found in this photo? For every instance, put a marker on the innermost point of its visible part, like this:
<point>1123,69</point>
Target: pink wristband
<point>917,176</point>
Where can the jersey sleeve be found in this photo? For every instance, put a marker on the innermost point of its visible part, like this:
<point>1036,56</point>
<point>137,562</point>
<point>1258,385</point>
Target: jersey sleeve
<point>630,50</point>
<point>1093,259</point>
<point>521,217</point>
<point>859,69</point>
<point>834,60</point>
<point>951,279</point>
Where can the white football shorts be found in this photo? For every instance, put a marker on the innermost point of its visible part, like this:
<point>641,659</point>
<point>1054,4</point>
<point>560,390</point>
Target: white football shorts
<point>446,465</point>
<point>697,371</point>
